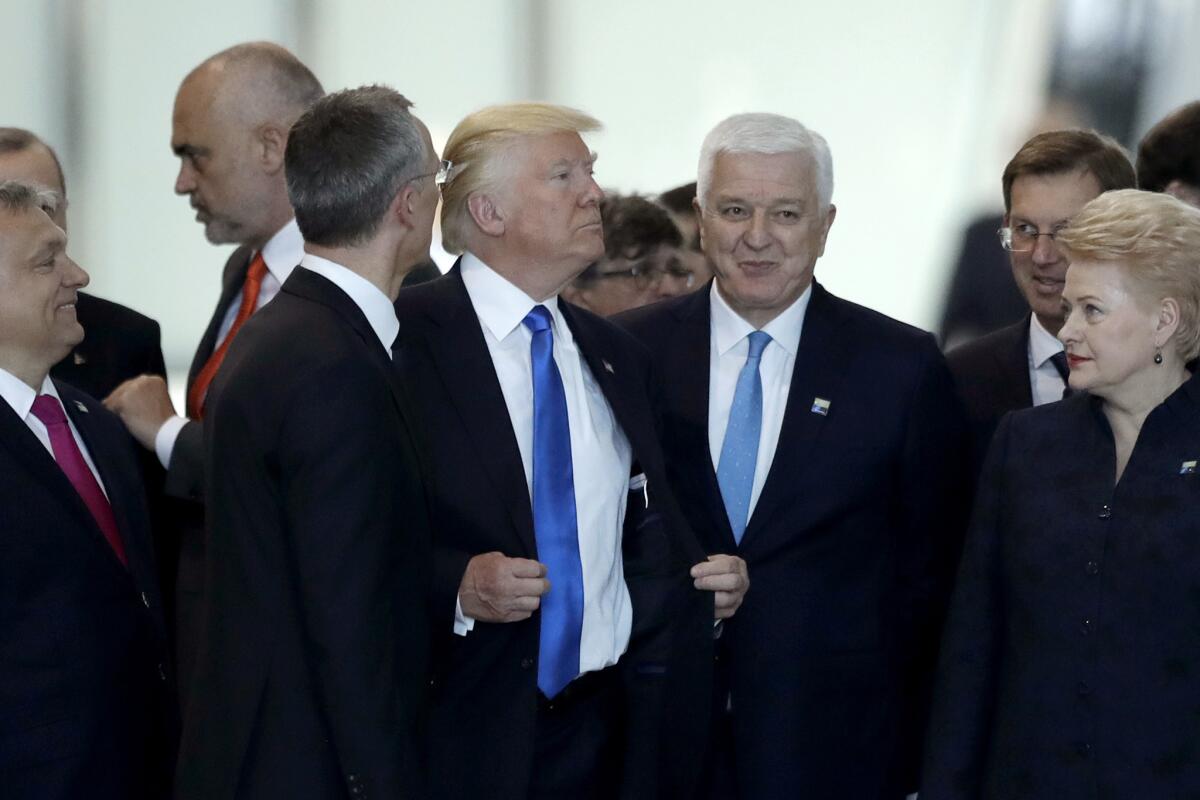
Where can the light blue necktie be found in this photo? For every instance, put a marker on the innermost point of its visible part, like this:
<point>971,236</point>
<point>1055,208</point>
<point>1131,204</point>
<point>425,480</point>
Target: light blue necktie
<point>555,527</point>
<point>739,451</point>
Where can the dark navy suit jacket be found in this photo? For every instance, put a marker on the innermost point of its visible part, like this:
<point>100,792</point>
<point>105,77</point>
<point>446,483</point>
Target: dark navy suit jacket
<point>1071,662</point>
<point>480,738</point>
<point>850,547</point>
<point>85,700</point>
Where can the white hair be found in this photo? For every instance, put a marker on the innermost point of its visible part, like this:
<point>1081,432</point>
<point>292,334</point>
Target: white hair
<point>769,134</point>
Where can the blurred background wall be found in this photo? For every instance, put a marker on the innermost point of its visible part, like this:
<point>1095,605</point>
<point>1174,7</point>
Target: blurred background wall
<point>922,104</point>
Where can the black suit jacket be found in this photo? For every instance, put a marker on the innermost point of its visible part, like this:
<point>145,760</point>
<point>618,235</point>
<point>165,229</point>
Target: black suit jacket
<point>312,661</point>
<point>118,344</point>
<point>850,547</point>
<point>992,378</point>
<point>1071,663</point>
<point>84,694</point>
<point>484,691</point>
<point>983,295</point>
<point>185,487</point>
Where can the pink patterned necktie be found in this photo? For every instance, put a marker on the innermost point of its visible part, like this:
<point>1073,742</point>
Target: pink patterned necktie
<point>70,460</point>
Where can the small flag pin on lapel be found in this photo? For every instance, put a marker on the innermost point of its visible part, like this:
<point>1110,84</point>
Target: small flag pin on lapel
<point>607,366</point>
<point>1187,468</point>
<point>83,409</point>
<point>820,406</point>
<point>80,360</point>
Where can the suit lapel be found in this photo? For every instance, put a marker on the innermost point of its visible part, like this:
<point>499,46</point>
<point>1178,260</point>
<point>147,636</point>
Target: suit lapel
<point>30,453</point>
<point>819,373</point>
<point>687,379</point>
<point>233,277</point>
<point>99,448</point>
<point>1014,363</point>
<point>459,354</point>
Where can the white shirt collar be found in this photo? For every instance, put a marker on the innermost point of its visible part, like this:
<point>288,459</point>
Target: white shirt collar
<point>729,328</point>
<point>283,251</point>
<point>501,306</point>
<point>20,395</point>
<point>1042,344</point>
<point>375,305</point>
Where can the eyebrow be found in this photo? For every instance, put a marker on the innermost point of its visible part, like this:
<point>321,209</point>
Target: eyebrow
<point>570,162</point>
<point>183,150</point>
<point>782,201</point>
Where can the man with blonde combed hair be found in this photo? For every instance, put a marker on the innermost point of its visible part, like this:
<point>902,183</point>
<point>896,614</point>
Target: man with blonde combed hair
<point>560,554</point>
<point>229,130</point>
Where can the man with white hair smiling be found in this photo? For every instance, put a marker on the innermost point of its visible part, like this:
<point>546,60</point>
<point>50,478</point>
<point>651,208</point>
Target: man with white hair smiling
<point>822,442</point>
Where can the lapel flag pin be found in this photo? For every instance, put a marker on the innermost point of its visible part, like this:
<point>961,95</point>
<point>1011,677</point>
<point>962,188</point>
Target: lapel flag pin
<point>83,409</point>
<point>820,406</point>
<point>1187,468</point>
<point>80,360</point>
<point>607,366</point>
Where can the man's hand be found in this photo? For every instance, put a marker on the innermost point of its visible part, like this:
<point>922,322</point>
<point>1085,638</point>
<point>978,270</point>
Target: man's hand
<point>143,405</point>
<point>496,588</point>
<point>728,577</point>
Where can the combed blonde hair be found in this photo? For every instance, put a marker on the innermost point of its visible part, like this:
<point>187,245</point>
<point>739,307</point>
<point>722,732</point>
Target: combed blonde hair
<point>477,147</point>
<point>1155,239</point>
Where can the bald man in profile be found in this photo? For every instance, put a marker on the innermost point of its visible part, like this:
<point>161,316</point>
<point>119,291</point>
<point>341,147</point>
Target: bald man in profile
<point>229,129</point>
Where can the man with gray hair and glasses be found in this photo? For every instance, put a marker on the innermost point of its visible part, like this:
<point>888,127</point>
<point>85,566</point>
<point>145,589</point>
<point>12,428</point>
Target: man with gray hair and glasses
<point>312,665</point>
<point>821,442</point>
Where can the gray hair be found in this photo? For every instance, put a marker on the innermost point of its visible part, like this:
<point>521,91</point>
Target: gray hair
<point>769,134</point>
<point>16,196</point>
<point>346,159</point>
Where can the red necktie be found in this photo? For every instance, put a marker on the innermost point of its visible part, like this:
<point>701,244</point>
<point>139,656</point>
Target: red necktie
<point>250,289</point>
<point>70,460</point>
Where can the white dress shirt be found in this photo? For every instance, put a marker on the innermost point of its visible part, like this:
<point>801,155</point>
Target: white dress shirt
<point>370,299</point>
<point>729,345</point>
<point>20,396</point>
<point>281,254</point>
<point>600,454</point>
<point>1044,379</point>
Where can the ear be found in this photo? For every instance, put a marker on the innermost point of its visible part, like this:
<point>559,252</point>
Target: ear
<point>1168,321</point>
<point>826,224</point>
<point>403,207</point>
<point>486,213</point>
<point>272,142</point>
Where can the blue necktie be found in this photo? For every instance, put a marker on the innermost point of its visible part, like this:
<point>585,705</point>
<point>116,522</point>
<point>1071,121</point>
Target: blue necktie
<point>739,451</point>
<point>554,524</point>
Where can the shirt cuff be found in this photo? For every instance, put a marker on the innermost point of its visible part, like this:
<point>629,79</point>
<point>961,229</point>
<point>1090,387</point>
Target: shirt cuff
<point>164,440</point>
<point>462,623</point>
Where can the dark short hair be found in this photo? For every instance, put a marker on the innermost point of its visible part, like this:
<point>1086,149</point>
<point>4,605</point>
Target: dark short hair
<point>1054,152</point>
<point>18,140</point>
<point>346,159</point>
<point>679,199</point>
<point>633,226</point>
<point>1171,150</point>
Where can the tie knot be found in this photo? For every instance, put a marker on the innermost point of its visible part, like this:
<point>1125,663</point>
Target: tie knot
<point>1059,360</point>
<point>758,343</point>
<point>48,410</point>
<point>538,319</point>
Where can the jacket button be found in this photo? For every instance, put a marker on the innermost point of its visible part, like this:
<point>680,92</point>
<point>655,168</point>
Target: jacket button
<point>1105,512</point>
<point>526,663</point>
<point>1085,627</point>
<point>1084,749</point>
<point>162,672</point>
<point>1083,689</point>
<point>1092,568</point>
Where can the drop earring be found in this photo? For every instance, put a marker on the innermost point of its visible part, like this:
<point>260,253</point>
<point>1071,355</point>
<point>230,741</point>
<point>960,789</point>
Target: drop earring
<point>1158,356</point>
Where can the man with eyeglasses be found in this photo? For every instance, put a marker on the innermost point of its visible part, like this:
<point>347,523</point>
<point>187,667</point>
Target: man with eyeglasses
<point>641,263</point>
<point>1050,178</point>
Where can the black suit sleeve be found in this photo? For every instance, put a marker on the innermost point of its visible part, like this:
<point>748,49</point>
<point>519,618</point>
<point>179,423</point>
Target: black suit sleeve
<point>935,502</point>
<point>153,363</point>
<point>185,472</point>
<point>964,704</point>
<point>350,572</point>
